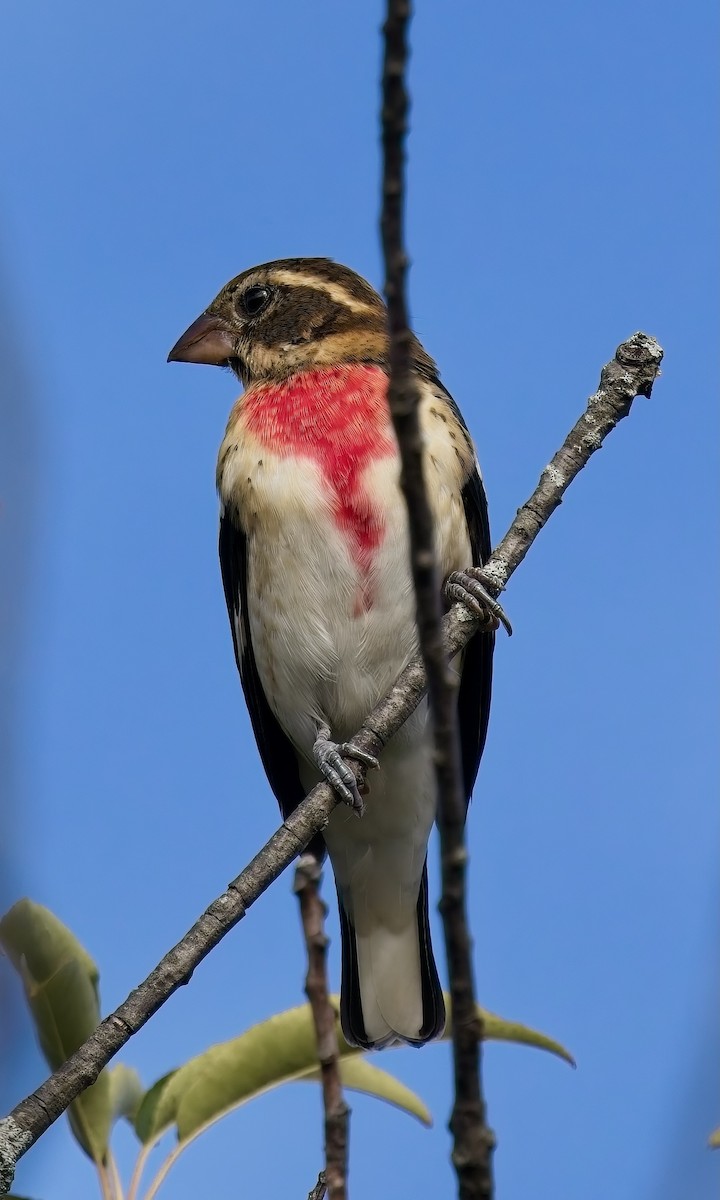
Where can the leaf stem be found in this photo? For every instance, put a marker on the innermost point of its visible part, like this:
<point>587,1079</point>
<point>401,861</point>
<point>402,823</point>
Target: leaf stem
<point>140,1164</point>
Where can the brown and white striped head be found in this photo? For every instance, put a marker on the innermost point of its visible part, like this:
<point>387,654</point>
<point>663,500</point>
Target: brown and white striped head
<point>291,315</point>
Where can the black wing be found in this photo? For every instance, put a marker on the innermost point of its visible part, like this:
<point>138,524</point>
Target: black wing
<point>276,750</point>
<point>476,678</point>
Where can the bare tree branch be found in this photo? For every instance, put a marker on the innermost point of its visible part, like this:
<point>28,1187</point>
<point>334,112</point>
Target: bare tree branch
<point>312,911</point>
<point>320,1189</point>
<point>473,1141</point>
<point>631,373</point>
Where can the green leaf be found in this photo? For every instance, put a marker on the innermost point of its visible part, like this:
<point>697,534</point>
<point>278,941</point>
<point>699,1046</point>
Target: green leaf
<point>32,932</point>
<point>714,1139</point>
<point>361,1076</point>
<point>497,1029</point>
<point>61,986</point>
<point>126,1093</point>
<point>280,1050</point>
<point>146,1121</point>
<point>227,1075</point>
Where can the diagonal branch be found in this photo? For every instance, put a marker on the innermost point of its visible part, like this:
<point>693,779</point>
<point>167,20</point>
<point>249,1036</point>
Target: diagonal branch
<point>473,1141</point>
<point>320,1190</point>
<point>312,912</point>
<point>631,373</point>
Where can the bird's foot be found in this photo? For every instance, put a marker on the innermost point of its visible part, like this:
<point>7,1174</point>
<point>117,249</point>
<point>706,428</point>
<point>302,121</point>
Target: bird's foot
<point>329,757</point>
<point>469,588</point>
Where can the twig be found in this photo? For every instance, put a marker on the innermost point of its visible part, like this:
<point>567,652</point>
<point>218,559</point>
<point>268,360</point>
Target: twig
<point>631,373</point>
<point>337,1113</point>
<point>473,1142</point>
<point>320,1189</point>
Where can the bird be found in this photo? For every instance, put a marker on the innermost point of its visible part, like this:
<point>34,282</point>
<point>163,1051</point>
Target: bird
<point>314,557</point>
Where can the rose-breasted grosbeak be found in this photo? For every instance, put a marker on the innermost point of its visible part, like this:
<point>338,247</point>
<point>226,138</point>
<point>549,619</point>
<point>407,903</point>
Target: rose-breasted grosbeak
<point>315,564</point>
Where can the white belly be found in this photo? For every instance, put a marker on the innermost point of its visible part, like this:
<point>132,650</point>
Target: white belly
<point>329,637</point>
<point>330,633</point>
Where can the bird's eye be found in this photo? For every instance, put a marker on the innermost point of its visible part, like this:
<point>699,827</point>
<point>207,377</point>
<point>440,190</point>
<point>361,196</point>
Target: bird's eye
<point>254,300</point>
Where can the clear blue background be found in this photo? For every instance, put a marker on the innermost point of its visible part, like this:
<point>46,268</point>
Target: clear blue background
<point>563,193</point>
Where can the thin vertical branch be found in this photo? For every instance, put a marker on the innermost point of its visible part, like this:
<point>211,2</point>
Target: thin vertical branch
<point>473,1141</point>
<point>337,1113</point>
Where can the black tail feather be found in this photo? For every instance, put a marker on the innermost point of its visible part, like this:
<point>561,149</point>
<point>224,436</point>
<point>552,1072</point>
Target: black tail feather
<point>351,1014</point>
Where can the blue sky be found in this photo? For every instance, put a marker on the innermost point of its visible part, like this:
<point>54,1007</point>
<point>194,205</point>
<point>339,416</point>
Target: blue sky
<point>563,193</point>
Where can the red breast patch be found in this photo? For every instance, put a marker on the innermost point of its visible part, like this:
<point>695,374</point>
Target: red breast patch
<point>338,417</point>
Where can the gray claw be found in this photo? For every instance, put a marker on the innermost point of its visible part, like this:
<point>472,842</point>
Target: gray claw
<point>350,750</point>
<point>329,758</point>
<point>468,588</point>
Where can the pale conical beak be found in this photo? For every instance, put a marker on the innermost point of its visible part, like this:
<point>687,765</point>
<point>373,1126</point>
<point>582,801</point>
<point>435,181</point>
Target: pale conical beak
<point>208,341</point>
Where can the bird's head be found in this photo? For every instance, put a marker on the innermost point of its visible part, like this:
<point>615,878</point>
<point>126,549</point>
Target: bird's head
<point>287,316</point>
<point>292,315</point>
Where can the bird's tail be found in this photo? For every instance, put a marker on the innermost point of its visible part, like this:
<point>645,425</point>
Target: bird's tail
<point>390,987</point>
